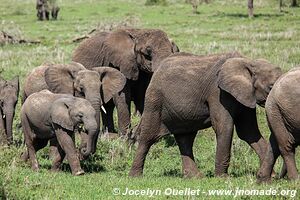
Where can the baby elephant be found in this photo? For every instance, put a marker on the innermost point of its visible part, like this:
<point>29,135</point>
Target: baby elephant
<point>282,109</point>
<point>47,116</point>
<point>9,90</point>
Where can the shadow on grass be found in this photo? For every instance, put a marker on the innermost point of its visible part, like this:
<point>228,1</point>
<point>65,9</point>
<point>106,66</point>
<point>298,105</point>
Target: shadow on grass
<point>242,15</point>
<point>90,165</point>
<point>242,173</point>
<point>172,173</point>
<point>169,141</point>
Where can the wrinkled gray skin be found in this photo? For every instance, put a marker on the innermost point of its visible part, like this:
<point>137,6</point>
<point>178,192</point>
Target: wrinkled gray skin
<point>282,109</point>
<point>136,53</point>
<point>189,93</point>
<point>9,91</point>
<point>97,85</point>
<point>47,116</point>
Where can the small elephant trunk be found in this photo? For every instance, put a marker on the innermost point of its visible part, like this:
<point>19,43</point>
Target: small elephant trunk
<point>96,104</point>
<point>91,140</point>
<point>9,115</point>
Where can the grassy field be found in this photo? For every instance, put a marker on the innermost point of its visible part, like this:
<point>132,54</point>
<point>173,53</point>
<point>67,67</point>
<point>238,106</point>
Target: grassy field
<point>220,26</point>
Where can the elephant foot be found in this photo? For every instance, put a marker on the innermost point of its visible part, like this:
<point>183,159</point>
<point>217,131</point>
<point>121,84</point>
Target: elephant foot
<point>78,173</point>
<point>35,168</point>
<point>55,169</point>
<point>264,180</point>
<point>222,175</point>
<point>24,156</point>
<point>261,178</point>
<point>135,173</point>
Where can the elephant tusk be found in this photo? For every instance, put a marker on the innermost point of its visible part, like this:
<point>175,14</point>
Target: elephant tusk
<point>3,116</point>
<point>102,107</point>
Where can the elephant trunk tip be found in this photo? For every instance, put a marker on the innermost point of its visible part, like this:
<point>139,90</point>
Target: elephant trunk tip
<point>85,152</point>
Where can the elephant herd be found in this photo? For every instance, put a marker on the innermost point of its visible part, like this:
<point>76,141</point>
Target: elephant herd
<point>175,92</point>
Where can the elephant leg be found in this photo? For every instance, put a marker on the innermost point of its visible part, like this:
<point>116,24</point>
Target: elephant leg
<point>247,130</point>
<point>151,131</point>
<point>32,143</point>
<point>222,124</point>
<point>107,118</point>
<point>122,102</point>
<point>139,91</point>
<point>289,159</point>
<point>67,144</point>
<point>139,104</point>
<point>265,171</point>
<point>283,171</point>
<point>185,143</point>
<point>58,155</point>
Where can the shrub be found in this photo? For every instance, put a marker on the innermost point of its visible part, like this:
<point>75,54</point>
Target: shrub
<point>156,2</point>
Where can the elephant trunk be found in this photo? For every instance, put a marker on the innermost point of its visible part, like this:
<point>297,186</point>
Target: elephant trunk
<point>9,115</point>
<point>93,128</point>
<point>96,103</point>
<point>91,139</point>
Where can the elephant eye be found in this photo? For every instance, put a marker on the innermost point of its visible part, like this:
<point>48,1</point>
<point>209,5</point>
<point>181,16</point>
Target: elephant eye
<point>80,115</point>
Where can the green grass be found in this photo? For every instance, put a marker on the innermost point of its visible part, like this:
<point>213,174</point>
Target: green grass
<point>220,26</point>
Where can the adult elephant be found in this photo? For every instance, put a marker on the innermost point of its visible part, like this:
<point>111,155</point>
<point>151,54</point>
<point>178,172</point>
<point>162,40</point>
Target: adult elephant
<point>189,93</point>
<point>136,53</point>
<point>9,91</point>
<point>97,85</point>
<point>282,108</point>
<point>250,6</point>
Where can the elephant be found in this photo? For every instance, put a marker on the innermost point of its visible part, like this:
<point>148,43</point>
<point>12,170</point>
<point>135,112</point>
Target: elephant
<point>97,85</point>
<point>45,7</point>
<point>283,120</point>
<point>250,6</point>
<point>9,91</point>
<point>47,116</point>
<point>136,53</point>
<point>189,93</point>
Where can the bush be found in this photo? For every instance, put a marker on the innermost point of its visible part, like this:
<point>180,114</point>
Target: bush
<point>156,2</point>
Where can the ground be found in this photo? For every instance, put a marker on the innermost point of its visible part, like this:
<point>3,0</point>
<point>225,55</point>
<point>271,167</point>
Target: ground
<point>218,27</point>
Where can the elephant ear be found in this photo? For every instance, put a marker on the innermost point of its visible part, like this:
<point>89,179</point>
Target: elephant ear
<point>119,49</point>
<point>60,78</point>
<point>60,115</point>
<point>235,77</point>
<point>112,82</point>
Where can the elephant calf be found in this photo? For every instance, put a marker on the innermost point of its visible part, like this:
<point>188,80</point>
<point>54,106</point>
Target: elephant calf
<point>9,91</point>
<point>282,109</point>
<point>189,93</point>
<point>47,116</point>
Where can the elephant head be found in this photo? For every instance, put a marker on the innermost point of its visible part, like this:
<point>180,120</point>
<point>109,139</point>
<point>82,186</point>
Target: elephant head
<point>249,81</point>
<point>9,91</point>
<point>151,47</point>
<point>97,85</point>
<point>125,49</point>
<point>70,112</point>
<point>75,79</point>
